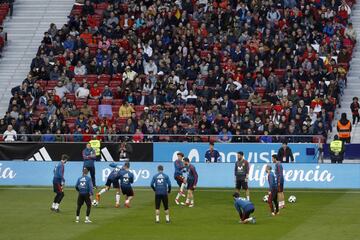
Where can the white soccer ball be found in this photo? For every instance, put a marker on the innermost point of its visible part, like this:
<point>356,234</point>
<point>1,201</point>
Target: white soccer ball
<point>266,198</point>
<point>95,203</point>
<point>292,199</point>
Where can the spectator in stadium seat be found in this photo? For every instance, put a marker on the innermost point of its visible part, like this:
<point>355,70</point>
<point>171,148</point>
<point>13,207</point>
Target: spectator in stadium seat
<point>224,136</point>
<point>126,110</point>
<point>61,90</point>
<point>10,134</point>
<point>80,69</point>
<point>72,86</point>
<point>83,91</point>
<point>350,32</point>
<point>95,92</point>
<point>86,110</point>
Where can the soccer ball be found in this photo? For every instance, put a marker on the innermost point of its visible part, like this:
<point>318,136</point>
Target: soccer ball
<point>292,199</point>
<point>266,198</point>
<point>95,203</point>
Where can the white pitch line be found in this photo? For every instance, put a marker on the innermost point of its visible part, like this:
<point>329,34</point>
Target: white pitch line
<point>203,190</point>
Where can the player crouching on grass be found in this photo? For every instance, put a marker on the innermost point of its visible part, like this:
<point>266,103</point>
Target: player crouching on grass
<point>192,180</point>
<point>279,173</point>
<point>112,179</point>
<point>126,179</point>
<point>178,176</point>
<point>58,182</point>
<point>244,208</point>
<point>85,188</point>
<point>272,200</point>
<point>161,185</point>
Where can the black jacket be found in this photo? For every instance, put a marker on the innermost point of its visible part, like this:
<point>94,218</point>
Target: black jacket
<point>287,154</point>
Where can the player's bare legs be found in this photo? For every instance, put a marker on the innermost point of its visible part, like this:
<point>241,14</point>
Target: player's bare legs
<point>157,215</point>
<point>190,198</point>
<point>281,199</point>
<point>102,191</point>
<point>117,198</point>
<point>127,201</point>
<point>247,193</point>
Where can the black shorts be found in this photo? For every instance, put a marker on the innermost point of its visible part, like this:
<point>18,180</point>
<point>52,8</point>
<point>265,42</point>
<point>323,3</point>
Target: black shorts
<point>57,188</point>
<point>180,180</point>
<point>241,184</point>
<point>114,182</point>
<point>84,198</point>
<point>190,185</point>
<point>128,191</point>
<point>161,198</point>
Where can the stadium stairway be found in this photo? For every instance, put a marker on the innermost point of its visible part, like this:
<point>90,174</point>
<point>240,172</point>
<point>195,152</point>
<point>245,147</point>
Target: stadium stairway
<point>353,82</point>
<point>25,30</point>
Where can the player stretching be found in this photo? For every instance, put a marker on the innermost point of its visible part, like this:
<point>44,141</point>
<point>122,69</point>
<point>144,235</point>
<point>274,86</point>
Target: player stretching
<point>113,179</point>
<point>85,188</point>
<point>279,173</point>
<point>178,175</point>
<point>126,179</point>
<point>162,187</point>
<point>191,182</point>
<point>58,182</point>
<point>272,200</point>
<point>244,208</point>
<point>242,174</point>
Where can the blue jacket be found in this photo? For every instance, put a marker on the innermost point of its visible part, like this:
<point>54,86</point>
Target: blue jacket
<point>89,157</point>
<point>84,185</point>
<point>115,173</point>
<point>243,205</point>
<point>161,184</point>
<point>59,173</point>
<point>213,156</point>
<point>272,182</point>
<point>179,166</point>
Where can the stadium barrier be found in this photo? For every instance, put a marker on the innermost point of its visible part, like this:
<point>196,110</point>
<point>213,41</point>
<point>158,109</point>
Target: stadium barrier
<point>324,176</point>
<point>351,151</point>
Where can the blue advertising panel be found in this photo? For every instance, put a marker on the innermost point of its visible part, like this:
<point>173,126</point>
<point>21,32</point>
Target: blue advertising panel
<point>254,152</point>
<point>210,175</point>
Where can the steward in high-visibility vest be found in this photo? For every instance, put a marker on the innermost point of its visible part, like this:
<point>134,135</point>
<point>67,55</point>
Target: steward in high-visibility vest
<point>337,149</point>
<point>344,128</point>
<point>96,145</point>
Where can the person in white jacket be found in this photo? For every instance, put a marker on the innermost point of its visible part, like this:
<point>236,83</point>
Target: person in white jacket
<point>10,134</point>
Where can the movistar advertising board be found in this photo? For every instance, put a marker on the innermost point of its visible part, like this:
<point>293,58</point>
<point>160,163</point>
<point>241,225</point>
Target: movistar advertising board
<point>254,152</point>
<point>210,175</point>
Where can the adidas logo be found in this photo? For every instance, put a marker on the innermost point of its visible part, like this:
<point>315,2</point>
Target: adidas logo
<point>41,155</point>
<point>106,156</point>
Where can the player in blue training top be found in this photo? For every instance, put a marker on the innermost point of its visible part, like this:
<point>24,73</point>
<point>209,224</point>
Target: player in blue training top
<point>212,155</point>
<point>126,179</point>
<point>89,156</point>
<point>272,200</point>
<point>162,187</point>
<point>112,179</point>
<point>244,208</point>
<point>85,188</point>
<point>178,176</point>
<point>279,173</point>
<point>58,182</point>
<point>192,180</point>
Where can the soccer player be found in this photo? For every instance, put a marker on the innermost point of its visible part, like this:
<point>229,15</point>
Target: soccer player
<point>242,174</point>
<point>112,179</point>
<point>272,200</point>
<point>58,182</point>
<point>178,175</point>
<point>89,157</point>
<point>279,173</point>
<point>126,179</point>
<point>162,187</point>
<point>212,155</point>
<point>191,182</point>
<point>85,188</point>
<point>244,208</point>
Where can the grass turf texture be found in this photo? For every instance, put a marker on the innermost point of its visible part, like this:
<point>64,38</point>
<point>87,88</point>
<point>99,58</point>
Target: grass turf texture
<point>331,214</point>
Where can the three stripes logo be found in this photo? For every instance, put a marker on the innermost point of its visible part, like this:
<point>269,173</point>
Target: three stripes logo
<point>106,156</point>
<point>41,155</point>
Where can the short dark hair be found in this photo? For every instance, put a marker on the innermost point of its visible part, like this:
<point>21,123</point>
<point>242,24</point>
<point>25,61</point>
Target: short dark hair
<point>275,156</point>
<point>284,142</point>
<point>212,143</point>
<point>127,164</point>
<point>236,195</point>
<point>160,168</point>
<point>186,159</point>
<point>180,153</point>
<point>241,153</point>
<point>65,157</point>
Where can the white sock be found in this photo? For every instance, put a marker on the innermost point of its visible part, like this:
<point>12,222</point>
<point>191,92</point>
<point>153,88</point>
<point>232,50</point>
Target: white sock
<point>187,201</point>
<point>157,217</point>
<point>178,196</point>
<point>167,217</point>
<point>77,218</point>
<point>127,201</point>
<point>102,191</point>
<point>117,198</point>
<point>192,202</point>
<point>248,198</point>
<point>182,187</point>
<point>86,218</point>
<point>56,206</point>
<point>53,205</point>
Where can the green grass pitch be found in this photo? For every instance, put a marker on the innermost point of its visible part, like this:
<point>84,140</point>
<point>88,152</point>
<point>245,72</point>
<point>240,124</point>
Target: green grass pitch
<point>327,214</point>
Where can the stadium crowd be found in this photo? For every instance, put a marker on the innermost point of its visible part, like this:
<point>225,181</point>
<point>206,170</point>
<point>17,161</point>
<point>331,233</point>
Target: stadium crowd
<point>188,67</point>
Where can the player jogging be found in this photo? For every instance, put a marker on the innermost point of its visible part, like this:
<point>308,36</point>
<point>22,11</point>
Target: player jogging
<point>244,208</point>
<point>178,175</point>
<point>89,157</point>
<point>272,200</point>
<point>192,180</point>
<point>112,179</point>
<point>242,174</point>
<point>126,179</point>
<point>279,173</point>
<point>85,188</point>
<point>58,182</point>
<point>162,187</point>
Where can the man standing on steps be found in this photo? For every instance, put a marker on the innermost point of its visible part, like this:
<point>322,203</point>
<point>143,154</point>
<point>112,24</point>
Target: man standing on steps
<point>355,106</point>
<point>344,128</point>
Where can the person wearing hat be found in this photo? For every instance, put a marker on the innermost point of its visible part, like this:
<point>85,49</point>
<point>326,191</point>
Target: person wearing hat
<point>337,150</point>
<point>344,128</point>
<point>355,106</point>
<point>242,169</point>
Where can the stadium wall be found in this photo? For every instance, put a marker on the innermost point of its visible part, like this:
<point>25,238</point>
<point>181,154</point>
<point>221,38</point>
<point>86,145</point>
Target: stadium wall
<point>346,176</point>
